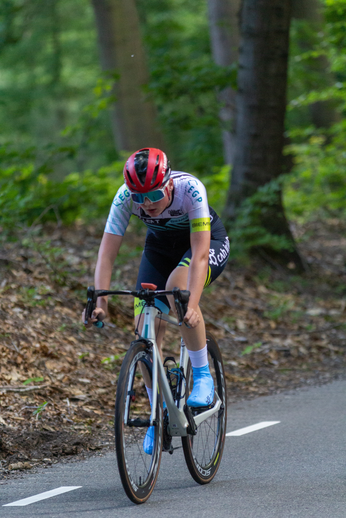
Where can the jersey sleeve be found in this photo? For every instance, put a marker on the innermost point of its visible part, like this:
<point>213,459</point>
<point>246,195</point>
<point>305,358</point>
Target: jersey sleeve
<point>120,212</point>
<point>196,200</point>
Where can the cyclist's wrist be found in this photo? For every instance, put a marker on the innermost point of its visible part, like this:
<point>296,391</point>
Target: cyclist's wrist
<point>102,303</point>
<point>193,304</point>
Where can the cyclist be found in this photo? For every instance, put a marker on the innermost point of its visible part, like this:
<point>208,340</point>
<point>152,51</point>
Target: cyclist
<point>186,246</point>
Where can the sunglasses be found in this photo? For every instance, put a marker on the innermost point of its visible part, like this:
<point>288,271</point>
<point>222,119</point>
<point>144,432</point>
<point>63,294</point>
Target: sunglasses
<point>153,196</point>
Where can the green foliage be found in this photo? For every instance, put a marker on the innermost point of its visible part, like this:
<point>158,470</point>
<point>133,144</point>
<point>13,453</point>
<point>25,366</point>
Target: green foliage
<point>41,45</point>
<point>317,64</point>
<point>32,297</point>
<point>216,183</point>
<point>28,194</point>
<point>335,15</point>
<point>186,93</point>
<point>40,409</point>
<point>82,130</point>
<point>49,66</point>
<point>248,231</point>
<point>30,380</point>
<point>317,186</point>
<point>280,286</point>
<point>177,79</point>
<point>250,348</point>
<point>184,81</point>
<point>278,308</point>
<point>54,119</point>
<point>111,361</point>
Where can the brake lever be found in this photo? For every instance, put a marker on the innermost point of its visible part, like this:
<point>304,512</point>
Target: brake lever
<point>181,299</point>
<point>91,305</point>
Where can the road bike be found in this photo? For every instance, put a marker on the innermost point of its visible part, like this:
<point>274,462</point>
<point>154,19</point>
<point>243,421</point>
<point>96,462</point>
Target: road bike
<point>202,430</point>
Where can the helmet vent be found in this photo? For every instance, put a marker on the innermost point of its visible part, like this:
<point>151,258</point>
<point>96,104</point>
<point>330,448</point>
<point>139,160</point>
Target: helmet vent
<point>129,179</point>
<point>141,164</point>
<point>156,170</point>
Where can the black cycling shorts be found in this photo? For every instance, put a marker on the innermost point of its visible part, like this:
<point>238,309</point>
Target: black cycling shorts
<point>158,263</point>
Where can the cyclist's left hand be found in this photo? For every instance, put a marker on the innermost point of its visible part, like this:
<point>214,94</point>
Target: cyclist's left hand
<point>191,317</point>
<point>98,314</point>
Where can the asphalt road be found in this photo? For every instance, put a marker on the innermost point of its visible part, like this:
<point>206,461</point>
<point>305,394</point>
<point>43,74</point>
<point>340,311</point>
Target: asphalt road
<point>294,468</point>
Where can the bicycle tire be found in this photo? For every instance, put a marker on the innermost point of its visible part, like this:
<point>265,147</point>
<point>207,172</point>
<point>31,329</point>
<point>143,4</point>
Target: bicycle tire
<point>203,451</point>
<point>138,470</point>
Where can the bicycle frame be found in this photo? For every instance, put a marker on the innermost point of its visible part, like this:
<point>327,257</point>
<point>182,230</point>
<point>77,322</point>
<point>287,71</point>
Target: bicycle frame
<point>178,423</point>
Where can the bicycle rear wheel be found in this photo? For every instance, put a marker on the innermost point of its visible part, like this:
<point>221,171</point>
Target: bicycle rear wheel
<point>203,451</point>
<point>138,470</point>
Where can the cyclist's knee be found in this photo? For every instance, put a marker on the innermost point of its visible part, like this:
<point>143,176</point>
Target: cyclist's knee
<point>178,278</point>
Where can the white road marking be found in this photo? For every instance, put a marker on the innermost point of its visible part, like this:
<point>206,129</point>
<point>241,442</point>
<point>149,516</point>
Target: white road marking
<point>253,428</point>
<point>42,496</point>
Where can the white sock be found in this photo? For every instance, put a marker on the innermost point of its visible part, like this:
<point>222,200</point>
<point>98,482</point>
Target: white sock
<point>150,394</point>
<point>199,358</point>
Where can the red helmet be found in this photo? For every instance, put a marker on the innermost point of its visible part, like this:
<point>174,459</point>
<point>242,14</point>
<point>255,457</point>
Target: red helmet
<point>146,170</point>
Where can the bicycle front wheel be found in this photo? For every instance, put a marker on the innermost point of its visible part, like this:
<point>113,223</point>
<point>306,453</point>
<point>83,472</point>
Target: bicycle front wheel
<point>138,469</point>
<point>203,451</point>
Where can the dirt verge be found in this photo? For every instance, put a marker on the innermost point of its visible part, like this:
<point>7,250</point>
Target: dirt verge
<point>277,331</point>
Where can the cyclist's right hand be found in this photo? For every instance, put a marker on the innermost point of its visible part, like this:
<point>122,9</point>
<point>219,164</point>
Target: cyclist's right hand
<point>97,314</point>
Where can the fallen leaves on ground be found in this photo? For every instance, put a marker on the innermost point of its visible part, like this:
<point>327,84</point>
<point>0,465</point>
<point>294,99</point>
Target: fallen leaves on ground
<point>58,380</point>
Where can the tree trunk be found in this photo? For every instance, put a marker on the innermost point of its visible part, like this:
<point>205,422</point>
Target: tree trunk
<point>261,106</point>
<point>134,117</point>
<point>224,36</point>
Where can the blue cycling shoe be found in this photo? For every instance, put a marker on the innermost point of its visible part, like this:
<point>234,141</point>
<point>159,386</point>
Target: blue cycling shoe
<point>148,442</point>
<point>203,387</point>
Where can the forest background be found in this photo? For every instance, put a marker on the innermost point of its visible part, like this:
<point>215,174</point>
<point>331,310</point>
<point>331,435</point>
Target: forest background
<point>59,156</point>
<point>74,102</point>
